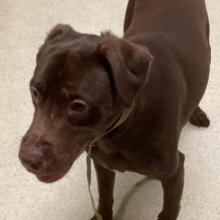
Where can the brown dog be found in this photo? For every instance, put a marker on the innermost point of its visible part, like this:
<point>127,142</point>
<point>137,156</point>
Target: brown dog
<point>141,89</point>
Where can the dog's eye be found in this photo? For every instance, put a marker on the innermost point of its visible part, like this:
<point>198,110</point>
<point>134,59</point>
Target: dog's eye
<point>78,105</point>
<point>35,94</point>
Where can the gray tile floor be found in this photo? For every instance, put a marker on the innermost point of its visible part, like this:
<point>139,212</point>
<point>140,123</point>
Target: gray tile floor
<point>23,26</point>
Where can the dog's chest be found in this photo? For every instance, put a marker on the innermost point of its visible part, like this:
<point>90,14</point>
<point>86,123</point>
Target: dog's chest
<point>107,155</point>
<point>114,157</point>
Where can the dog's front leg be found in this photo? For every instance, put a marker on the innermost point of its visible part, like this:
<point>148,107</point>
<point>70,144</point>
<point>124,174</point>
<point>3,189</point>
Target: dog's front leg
<point>106,180</point>
<point>173,188</point>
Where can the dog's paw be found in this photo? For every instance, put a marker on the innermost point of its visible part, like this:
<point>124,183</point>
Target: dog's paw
<point>103,218</point>
<point>165,216</point>
<point>199,118</point>
<point>95,218</point>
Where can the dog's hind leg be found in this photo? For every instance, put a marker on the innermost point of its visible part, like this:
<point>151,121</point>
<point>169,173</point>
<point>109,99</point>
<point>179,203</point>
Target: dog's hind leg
<point>129,14</point>
<point>199,118</point>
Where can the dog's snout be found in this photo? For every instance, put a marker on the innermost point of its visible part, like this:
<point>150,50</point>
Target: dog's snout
<point>34,153</point>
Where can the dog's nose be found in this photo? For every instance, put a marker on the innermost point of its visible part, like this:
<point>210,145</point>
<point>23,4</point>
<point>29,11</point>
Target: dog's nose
<point>33,161</point>
<point>34,156</point>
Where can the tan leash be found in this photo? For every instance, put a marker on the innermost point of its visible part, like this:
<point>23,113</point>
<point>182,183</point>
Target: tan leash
<point>89,179</point>
<point>124,116</point>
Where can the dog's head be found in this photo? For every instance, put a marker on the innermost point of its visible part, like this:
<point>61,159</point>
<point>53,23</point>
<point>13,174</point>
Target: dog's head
<point>81,83</point>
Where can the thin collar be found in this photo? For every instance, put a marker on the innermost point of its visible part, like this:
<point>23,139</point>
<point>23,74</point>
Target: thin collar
<point>126,113</point>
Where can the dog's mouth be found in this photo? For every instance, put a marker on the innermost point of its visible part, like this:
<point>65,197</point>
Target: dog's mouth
<point>55,176</point>
<point>52,177</point>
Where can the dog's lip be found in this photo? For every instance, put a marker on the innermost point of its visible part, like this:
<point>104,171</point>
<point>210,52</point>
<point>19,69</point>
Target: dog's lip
<point>52,177</point>
<point>49,178</point>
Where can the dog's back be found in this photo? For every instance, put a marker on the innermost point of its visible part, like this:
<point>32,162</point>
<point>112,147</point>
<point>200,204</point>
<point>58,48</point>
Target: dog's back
<point>180,27</point>
<point>170,16</point>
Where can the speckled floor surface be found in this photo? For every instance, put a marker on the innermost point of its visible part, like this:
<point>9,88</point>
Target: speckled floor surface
<point>23,26</point>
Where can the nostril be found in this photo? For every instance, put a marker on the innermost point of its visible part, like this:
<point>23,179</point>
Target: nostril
<point>35,167</point>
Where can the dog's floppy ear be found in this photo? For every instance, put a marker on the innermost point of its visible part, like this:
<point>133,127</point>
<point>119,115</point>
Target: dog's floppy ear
<point>129,63</point>
<point>60,31</point>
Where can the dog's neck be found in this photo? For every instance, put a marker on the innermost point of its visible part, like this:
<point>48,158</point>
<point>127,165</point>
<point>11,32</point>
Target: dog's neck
<point>124,116</point>
<point>120,120</point>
